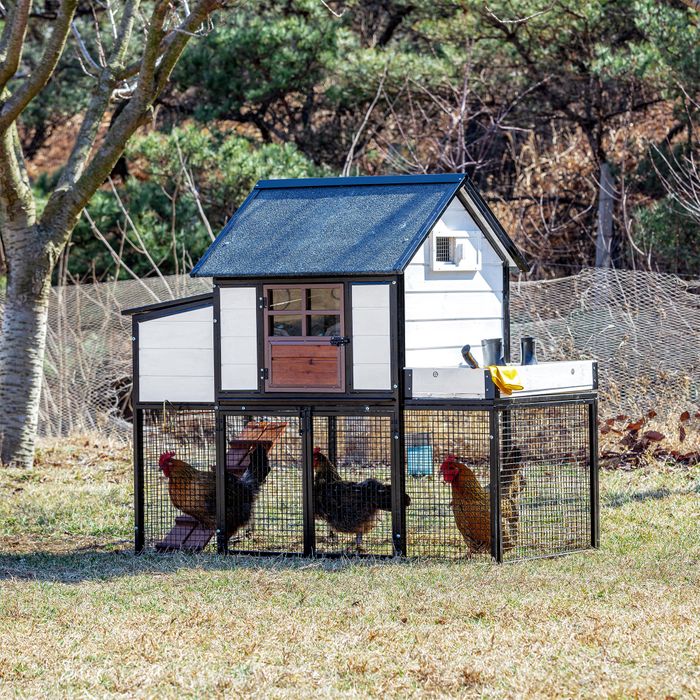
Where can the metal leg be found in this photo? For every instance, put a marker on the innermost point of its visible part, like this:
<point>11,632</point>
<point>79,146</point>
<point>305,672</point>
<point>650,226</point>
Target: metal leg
<point>593,461</point>
<point>398,484</point>
<point>308,481</point>
<point>139,533</point>
<point>495,469</point>
<point>221,525</point>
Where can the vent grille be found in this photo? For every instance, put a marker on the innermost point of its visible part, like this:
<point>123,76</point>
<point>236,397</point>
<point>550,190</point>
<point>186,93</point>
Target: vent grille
<point>444,249</point>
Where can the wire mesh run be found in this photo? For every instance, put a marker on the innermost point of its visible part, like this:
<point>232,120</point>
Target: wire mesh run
<point>447,475</point>
<point>179,479</point>
<point>264,492</point>
<point>352,484</point>
<point>544,464</point>
<point>545,480</point>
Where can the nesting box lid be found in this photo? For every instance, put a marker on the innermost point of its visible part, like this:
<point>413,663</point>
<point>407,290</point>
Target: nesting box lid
<point>340,226</point>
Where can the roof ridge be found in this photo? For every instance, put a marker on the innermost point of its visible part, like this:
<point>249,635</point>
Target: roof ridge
<point>293,183</point>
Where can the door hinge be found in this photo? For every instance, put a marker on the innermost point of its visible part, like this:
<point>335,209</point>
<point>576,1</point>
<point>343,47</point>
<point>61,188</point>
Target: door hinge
<point>340,340</point>
<point>264,373</point>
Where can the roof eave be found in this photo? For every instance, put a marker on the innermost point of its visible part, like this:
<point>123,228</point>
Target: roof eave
<point>229,224</point>
<point>495,225</point>
<point>438,211</point>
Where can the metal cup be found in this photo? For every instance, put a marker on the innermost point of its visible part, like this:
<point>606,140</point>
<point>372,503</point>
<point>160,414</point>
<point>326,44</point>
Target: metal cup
<point>492,349</point>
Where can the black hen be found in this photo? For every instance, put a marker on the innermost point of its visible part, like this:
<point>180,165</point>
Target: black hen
<point>194,492</point>
<point>348,506</point>
<point>242,492</point>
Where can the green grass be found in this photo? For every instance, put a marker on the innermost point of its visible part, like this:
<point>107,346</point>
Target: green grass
<point>81,616</point>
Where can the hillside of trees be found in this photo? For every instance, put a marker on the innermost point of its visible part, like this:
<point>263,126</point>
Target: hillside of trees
<point>578,121</point>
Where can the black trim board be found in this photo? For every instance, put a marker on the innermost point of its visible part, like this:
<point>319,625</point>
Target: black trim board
<point>170,304</point>
<point>290,183</point>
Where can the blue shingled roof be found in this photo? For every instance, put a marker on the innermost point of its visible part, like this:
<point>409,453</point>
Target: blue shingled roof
<point>329,226</point>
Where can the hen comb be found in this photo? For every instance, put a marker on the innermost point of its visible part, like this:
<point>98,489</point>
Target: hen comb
<point>450,458</point>
<point>165,458</point>
<point>317,450</point>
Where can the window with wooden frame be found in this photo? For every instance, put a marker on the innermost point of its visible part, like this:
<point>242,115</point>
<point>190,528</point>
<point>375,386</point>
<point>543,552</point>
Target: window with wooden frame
<point>304,337</point>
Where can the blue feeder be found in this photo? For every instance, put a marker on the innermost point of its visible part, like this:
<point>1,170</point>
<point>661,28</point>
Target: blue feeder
<point>419,454</point>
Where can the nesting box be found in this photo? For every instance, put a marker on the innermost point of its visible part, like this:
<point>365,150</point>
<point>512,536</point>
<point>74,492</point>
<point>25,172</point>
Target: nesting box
<point>339,310</point>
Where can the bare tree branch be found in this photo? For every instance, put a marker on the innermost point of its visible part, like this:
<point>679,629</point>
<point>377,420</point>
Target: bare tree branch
<point>64,205</point>
<point>12,41</point>
<point>518,20</point>
<point>115,256</point>
<point>187,28</point>
<point>83,49</point>
<point>143,248</point>
<point>32,85</point>
<point>351,153</point>
<point>189,181</point>
<point>99,102</point>
<point>682,182</point>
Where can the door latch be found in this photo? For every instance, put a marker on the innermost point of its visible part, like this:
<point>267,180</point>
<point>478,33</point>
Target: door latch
<point>340,340</point>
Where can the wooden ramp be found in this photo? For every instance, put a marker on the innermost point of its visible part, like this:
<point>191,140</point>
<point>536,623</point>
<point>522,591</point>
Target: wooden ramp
<point>188,534</point>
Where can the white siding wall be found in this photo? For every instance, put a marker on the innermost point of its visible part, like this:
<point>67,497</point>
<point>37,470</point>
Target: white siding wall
<point>239,338</point>
<point>371,336</point>
<point>445,310</point>
<point>176,357</point>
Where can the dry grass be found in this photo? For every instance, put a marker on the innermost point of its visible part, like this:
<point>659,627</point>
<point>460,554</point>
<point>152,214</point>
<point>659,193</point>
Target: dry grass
<point>81,616</point>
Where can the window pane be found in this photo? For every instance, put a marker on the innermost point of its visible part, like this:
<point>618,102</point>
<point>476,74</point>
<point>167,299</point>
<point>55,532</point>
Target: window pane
<point>285,325</point>
<point>324,325</point>
<point>321,299</point>
<point>286,299</point>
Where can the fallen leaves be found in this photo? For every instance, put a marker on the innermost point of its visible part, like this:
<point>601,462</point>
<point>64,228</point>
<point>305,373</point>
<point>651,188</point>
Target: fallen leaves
<point>631,447</point>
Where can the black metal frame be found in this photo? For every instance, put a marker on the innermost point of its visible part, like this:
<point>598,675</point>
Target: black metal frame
<point>497,409</point>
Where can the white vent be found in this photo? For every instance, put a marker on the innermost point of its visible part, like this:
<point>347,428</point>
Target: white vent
<point>455,251</point>
<point>444,249</point>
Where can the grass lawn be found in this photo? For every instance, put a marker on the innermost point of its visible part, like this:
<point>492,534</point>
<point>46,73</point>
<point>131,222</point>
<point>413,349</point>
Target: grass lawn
<point>81,616</point>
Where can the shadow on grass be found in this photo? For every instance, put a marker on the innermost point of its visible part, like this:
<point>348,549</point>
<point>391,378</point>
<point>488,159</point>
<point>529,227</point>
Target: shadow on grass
<point>619,499</point>
<point>95,565</point>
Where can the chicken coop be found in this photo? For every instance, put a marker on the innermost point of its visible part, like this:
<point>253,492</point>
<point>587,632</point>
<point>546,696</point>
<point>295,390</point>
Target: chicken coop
<point>349,387</point>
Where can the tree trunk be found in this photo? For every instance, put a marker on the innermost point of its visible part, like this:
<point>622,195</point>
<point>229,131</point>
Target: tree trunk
<point>604,238</point>
<point>22,344</point>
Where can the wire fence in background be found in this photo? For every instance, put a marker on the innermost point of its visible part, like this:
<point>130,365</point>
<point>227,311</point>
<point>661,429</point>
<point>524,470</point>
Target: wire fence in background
<point>643,329</point>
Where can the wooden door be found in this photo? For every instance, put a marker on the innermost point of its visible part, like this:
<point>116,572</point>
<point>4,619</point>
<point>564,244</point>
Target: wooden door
<point>304,343</point>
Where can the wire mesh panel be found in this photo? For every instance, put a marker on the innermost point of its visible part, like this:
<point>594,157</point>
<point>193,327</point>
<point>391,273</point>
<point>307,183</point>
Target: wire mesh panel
<point>264,497</point>
<point>447,474</point>
<point>545,480</point>
<point>179,480</point>
<point>352,484</point>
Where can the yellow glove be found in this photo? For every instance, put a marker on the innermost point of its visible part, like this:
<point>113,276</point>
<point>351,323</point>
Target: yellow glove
<point>504,379</point>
